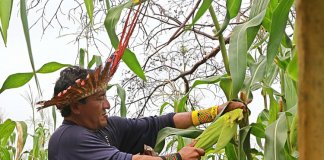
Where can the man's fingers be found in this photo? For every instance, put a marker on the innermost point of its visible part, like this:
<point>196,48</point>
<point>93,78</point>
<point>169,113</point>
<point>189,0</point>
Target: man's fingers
<point>200,151</point>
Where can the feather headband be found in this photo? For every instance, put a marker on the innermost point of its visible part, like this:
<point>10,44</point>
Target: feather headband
<point>98,80</point>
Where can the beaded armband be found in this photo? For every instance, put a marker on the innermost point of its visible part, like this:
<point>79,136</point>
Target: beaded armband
<point>204,116</point>
<point>174,156</point>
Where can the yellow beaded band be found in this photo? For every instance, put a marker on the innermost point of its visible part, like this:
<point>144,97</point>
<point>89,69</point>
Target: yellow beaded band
<point>204,116</point>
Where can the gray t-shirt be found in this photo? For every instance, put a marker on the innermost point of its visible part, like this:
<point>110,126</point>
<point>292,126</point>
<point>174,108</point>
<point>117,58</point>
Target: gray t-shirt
<point>118,141</point>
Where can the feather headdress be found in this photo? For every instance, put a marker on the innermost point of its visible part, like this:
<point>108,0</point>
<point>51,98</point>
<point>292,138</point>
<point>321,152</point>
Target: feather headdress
<point>98,80</point>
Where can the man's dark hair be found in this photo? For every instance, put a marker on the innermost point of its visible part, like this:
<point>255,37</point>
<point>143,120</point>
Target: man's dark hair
<point>68,76</point>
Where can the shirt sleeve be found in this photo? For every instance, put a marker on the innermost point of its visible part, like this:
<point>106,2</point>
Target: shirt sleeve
<point>132,134</point>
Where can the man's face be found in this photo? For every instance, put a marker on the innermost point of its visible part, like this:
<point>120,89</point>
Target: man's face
<point>93,113</point>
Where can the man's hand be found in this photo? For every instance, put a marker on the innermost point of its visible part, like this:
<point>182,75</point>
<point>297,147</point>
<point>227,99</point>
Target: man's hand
<point>191,153</point>
<point>231,105</point>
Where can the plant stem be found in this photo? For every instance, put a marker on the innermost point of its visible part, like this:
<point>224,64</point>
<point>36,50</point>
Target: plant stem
<point>221,39</point>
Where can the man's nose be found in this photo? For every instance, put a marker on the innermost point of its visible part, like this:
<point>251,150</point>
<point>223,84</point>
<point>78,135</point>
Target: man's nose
<point>106,104</point>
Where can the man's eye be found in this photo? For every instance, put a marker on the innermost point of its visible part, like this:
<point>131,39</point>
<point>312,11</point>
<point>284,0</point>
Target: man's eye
<point>103,97</point>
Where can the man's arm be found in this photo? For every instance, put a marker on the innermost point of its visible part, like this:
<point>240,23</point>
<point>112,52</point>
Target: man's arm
<point>183,120</point>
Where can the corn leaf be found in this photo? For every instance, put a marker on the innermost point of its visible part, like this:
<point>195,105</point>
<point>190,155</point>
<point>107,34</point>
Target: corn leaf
<point>231,151</point>
<point>257,129</point>
<point>16,80</point>
<point>51,67</point>
<point>232,9</point>
<point>89,6</point>
<point>292,68</point>
<point>278,26</point>
<point>4,153</point>
<point>122,95</point>
<point>5,13</point>
<point>81,57</point>
<point>290,92</point>
<point>209,80</point>
<point>276,136</point>
<point>163,106</point>
<point>24,20</point>
<point>93,60</point>
<point>226,86</point>
<point>238,52</point>
<point>54,116</point>
<point>181,107</point>
<point>201,11</point>
<point>6,129</point>
<point>191,132</point>
<point>21,128</point>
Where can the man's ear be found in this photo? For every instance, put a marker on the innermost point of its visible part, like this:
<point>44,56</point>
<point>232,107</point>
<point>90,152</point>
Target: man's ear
<point>75,108</point>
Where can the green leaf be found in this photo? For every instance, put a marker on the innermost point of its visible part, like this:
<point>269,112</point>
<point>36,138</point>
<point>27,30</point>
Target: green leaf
<point>131,61</point>
<point>129,57</point>
<point>122,94</point>
<point>293,135</point>
<point>232,9</point>
<point>290,92</point>
<point>180,143</point>
<point>258,130</point>
<point>292,68</point>
<point>6,129</point>
<point>274,105</point>
<point>163,106</point>
<point>181,107</point>
<point>244,143</point>
<point>276,136</point>
<point>191,132</point>
<point>271,74</point>
<point>89,6</point>
<point>278,26</point>
<point>226,85</point>
<point>51,67</point>
<point>24,21</point>
<point>21,128</point>
<point>4,153</point>
<point>98,61</point>
<point>5,13</point>
<point>238,52</point>
<point>257,73</point>
<point>209,80</point>
<point>81,57</point>
<point>263,117</point>
<point>201,11</point>
<point>54,116</point>
<point>38,142</point>
<point>231,151</point>
<point>16,80</point>
<point>93,60</point>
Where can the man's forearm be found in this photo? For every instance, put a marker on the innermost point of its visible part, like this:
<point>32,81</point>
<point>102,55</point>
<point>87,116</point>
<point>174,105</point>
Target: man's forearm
<point>145,157</point>
<point>182,120</point>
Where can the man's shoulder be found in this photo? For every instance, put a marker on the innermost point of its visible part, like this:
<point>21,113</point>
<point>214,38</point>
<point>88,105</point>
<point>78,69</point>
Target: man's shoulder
<point>71,133</point>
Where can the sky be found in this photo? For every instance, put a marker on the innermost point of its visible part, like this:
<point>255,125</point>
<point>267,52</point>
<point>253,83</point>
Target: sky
<point>15,59</point>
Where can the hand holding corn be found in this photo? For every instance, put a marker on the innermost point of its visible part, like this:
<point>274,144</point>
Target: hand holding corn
<point>209,114</point>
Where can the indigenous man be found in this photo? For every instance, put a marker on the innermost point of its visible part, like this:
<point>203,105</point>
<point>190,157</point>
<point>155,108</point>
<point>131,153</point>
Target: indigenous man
<point>88,133</point>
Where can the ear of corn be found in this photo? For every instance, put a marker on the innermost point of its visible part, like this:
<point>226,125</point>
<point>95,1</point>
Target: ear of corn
<point>221,131</point>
